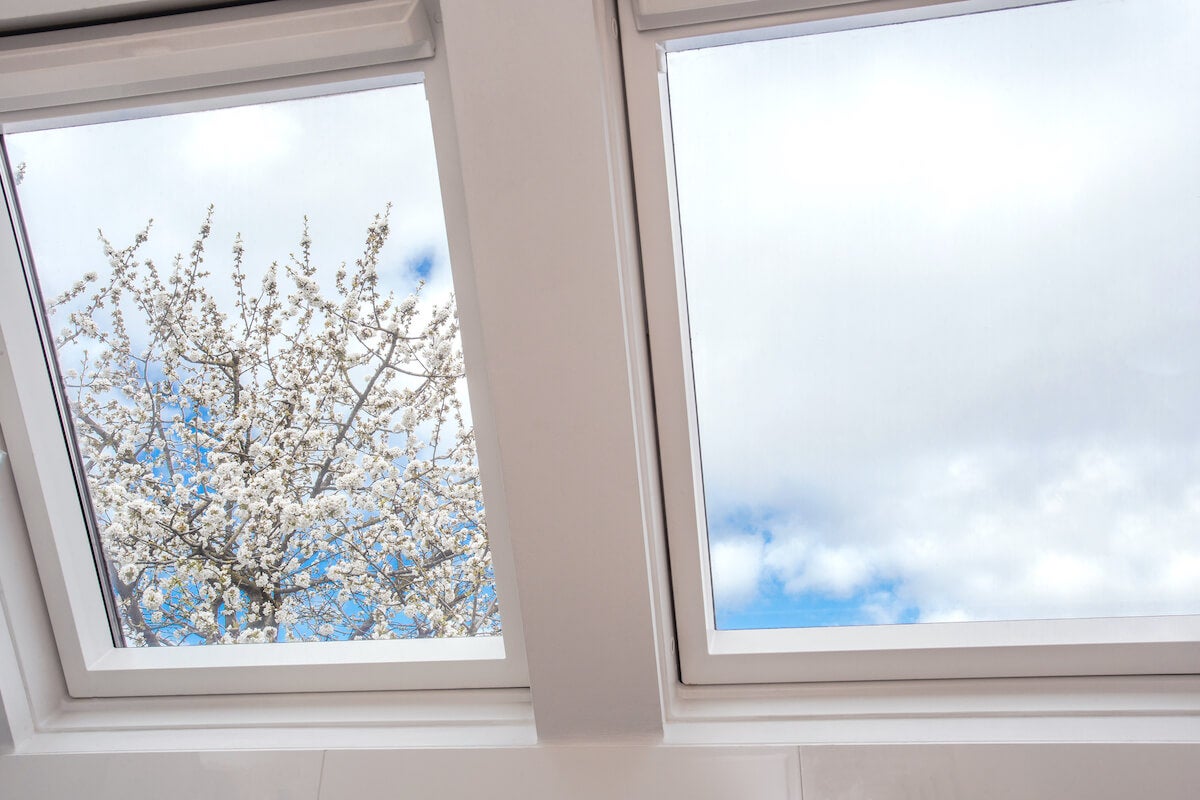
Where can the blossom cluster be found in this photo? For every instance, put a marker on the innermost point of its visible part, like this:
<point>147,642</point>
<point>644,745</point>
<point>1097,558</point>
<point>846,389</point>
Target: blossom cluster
<point>291,465</point>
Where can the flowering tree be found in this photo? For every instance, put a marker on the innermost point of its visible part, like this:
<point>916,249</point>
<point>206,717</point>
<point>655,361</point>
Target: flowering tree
<point>281,465</point>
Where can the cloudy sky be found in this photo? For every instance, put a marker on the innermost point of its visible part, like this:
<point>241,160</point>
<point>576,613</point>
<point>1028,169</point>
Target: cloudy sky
<point>944,287</point>
<point>338,159</point>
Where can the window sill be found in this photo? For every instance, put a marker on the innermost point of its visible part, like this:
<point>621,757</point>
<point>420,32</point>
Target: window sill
<point>460,718</point>
<point>1071,709</point>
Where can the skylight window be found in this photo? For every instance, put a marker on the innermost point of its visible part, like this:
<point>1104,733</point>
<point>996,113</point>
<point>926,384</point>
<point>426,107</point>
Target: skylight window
<point>941,292</point>
<point>262,372</point>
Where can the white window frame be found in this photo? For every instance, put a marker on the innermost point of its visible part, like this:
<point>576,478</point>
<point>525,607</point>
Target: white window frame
<point>196,61</point>
<point>1004,649</point>
<point>547,217</point>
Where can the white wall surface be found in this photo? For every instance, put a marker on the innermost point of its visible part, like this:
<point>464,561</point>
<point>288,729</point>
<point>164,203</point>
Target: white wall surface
<point>1001,772</point>
<point>578,773</point>
<point>601,772</point>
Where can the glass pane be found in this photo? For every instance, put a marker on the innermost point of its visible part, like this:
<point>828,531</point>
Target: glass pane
<point>945,313</point>
<point>261,356</point>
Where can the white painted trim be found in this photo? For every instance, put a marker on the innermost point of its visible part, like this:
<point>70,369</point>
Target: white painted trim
<point>24,15</point>
<point>471,718</point>
<point>994,649</point>
<point>1079,709</point>
<point>654,14</point>
<point>660,14</point>
<point>207,48</point>
<point>438,88</point>
<point>16,716</point>
<point>828,18</point>
<point>203,99</point>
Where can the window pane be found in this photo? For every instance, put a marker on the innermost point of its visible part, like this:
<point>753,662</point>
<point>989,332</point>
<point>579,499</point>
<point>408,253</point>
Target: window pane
<point>260,352</point>
<point>943,292</point>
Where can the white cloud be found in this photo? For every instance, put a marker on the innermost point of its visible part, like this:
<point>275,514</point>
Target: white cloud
<point>241,137</point>
<point>737,568</point>
<point>836,571</point>
<point>1034,533</point>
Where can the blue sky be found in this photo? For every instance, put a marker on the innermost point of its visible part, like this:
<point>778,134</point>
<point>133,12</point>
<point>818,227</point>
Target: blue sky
<point>942,287</point>
<point>775,608</point>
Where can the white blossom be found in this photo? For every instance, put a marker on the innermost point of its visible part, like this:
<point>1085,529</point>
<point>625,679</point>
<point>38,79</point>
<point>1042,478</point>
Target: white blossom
<point>152,598</point>
<point>288,466</point>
